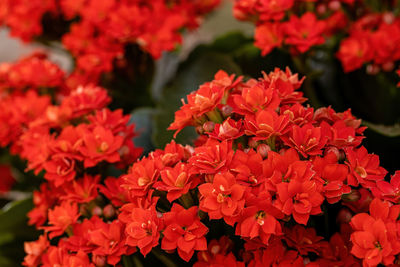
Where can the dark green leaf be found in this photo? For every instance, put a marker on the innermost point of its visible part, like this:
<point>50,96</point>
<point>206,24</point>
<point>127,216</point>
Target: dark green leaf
<point>14,214</point>
<point>143,120</point>
<point>386,130</point>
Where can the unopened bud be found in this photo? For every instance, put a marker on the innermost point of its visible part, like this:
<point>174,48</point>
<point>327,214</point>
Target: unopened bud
<point>208,126</point>
<point>321,9</point>
<point>388,17</point>
<point>99,261</point>
<point>388,66</point>
<point>252,143</point>
<point>333,150</point>
<point>344,216</point>
<point>97,211</point>
<point>226,111</point>
<point>199,130</point>
<point>354,195</point>
<point>109,211</point>
<point>263,150</point>
<point>334,5</point>
<point>372,69</point>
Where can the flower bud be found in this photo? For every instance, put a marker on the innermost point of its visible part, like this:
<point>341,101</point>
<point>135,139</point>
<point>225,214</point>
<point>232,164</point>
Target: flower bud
<point>99,261</point>
<point>388,66</point>
<point>226,111</point>
<point>333,150</point>
<point>263,150</point>
<point>252,143</point>
<point>344,216</point>
<point>372,69</point>
<point>321,9</point>
<point>97,211</point>
<point>334,5</point>
<point>199,130</point>
<point>208,126</point>
<point>109,211</point>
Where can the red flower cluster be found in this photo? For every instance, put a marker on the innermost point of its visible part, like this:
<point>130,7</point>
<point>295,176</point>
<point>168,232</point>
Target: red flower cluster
<point>369,36</point>
<point>73,139</point>
<point>266,165</point>
<point>154,25</point>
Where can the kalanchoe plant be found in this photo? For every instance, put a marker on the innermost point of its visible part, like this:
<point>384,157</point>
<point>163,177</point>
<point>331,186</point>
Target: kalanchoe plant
<point>266,167</point>
<point>368,31</point>
<point>99,34</point>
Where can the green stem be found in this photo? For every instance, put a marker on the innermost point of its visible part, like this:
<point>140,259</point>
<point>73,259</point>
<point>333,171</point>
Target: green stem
<point>186,200</point>
<point>126,262</point>
<point>215,116</point>
<point>163,258</point>
<point>271,142</point>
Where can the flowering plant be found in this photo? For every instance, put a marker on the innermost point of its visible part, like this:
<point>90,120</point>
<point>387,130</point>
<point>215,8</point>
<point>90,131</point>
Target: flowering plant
<point>265,168</point>
<point>264,178</point>
<point>353,44</point>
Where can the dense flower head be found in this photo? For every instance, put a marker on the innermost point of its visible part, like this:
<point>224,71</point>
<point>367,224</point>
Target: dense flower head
<point>266,169</point>
<point>365,33</point>
<point>121,24</point>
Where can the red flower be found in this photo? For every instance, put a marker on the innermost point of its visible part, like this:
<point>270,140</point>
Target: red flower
<point>299,196</point>
<point>255,96</point>
<point>60,169</point>
<point>355,51</point>
<point>228,130</point>
<point>304,32</point>
<point>83,190</point>
<point>176,181</point>
<point>259,219</point>
<point>141,176</point>
<point>35,250</point>
<point>364,168</point>
<point>142,227</point>
<point>222,198</point>
<point>268,36</point>
<point>212,157</point>
<point>307,140</point>
<point>114,191</point>
<point>61,218</point>
<point>388,191</point>
<point>110,241</point>
<point>333,176</point>
<point>304,240</point>
<point>100,144</point>
<point>184,231</point>
<point>266,124</point>
<point>375,238</point>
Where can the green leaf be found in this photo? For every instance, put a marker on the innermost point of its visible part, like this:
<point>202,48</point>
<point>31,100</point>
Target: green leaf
<point>13,215</point>
<point>199,68</point>
<point>386,130</point>
<point>5,262</point>
<point>143,120</point>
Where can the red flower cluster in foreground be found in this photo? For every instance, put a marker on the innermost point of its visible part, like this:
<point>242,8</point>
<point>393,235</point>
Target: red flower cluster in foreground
<point>97,32</point>
<point>371,30</point>
<point>265,165</point>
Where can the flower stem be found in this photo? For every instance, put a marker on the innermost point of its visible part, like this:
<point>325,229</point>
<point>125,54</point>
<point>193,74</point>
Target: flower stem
<point>215,116</point>
<point>163,258</point>
<point>186,200</point>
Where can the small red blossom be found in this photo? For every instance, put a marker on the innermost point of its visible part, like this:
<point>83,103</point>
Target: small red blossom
<point>304,32</point>
<point>142,228</point>
<point>223,198</point>
<point>61,218</point>
<point>184,231</point>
